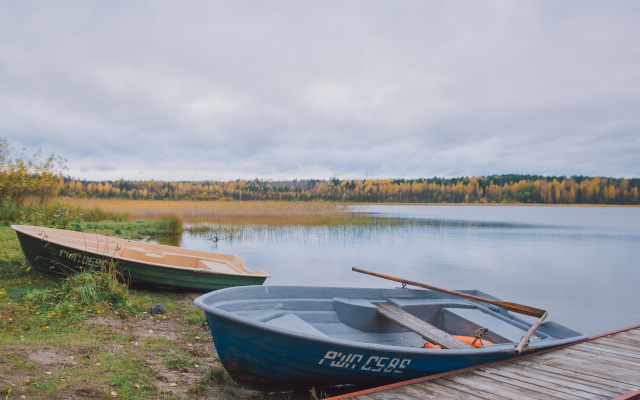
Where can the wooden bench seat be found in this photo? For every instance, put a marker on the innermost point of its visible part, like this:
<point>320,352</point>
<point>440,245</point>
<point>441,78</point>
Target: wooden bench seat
<point>422,328</point>
<point>219,267</point>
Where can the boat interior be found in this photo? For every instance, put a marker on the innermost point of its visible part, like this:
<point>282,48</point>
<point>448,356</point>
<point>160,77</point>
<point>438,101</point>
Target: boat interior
<point>361,320</point>
<point>138,251</point>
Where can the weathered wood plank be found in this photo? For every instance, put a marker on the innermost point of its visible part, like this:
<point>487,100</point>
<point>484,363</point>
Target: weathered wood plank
<point>583,358</point>
<point>592,368</point>
<point>425,393</point>
<point>402,393</point>
<point>633,333</point>
<point>504,389</point>
<point>562,384</point>
<point>471,391</point>
<point>620,343</point>
<point>445,391</point>
<point>608,341</point>
<point>598,382</point>
<point>489,387</point>
<point>373,396</point>
<point>533,384</point>
<point>632,336</point>
<point>422,328</point>
<point>630,340</point>
<point>601,349</point>
<point>603,357</point>
<point>603,368</point>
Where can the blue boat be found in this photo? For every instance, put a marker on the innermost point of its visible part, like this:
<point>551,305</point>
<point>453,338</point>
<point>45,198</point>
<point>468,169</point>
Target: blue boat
<point>284,338</point>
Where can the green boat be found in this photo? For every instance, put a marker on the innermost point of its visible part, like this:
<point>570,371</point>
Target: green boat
<point>61,253</point>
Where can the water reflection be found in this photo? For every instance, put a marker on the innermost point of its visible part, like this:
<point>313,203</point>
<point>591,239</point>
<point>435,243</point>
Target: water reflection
<point>351,228</point>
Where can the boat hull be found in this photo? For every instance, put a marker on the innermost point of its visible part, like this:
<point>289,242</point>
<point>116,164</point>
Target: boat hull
<point>270,361</point>
<point>263,357</point>
<point>55,260</point>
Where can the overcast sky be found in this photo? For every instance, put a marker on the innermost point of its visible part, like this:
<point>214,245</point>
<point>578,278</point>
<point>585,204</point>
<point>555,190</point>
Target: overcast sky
<point>226,90</point>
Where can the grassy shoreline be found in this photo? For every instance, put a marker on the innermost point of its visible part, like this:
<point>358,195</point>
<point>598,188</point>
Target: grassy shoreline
<point>54,348</point>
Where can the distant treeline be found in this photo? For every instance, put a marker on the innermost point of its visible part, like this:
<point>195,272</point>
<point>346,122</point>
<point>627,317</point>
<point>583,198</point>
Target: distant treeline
<point>532,189</point>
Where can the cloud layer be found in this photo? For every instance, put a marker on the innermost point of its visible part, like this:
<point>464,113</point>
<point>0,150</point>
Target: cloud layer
<point>287,89</point>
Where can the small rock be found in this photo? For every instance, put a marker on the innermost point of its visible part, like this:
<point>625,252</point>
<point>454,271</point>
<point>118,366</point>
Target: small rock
<point>158,309</point>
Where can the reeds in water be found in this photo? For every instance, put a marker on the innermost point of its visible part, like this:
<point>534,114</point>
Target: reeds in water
<point>217,211</point>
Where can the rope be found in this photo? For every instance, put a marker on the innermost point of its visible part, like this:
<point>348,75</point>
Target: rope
<point>480,334</point>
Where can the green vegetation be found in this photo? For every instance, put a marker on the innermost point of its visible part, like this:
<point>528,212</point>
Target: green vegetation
<point>23,178</point>
<point>25,181</point>
<point>91,336</point>
<point>486,189</point>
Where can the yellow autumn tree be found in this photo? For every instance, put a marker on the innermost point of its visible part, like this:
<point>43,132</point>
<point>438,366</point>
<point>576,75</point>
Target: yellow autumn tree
<point>25,178</point>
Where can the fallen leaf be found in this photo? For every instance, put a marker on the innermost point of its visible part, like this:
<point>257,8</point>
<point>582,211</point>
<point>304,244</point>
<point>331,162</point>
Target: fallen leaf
<point>173,384</point>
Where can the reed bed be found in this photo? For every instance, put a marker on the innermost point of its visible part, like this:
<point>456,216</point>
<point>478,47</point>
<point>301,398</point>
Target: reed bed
<point>198,211</point>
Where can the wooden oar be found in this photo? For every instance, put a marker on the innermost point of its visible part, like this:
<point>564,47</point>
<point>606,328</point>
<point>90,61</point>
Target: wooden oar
<point>515,307</point>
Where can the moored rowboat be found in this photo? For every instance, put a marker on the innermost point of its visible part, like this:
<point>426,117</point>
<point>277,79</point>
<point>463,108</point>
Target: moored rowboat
<point>291,338</point>
<point>60,253</point>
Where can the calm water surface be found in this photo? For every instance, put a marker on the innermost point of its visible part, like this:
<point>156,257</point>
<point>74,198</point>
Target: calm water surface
<point>579,263</point>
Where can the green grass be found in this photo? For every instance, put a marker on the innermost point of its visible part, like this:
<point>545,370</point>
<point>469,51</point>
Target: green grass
<point>75,337</point>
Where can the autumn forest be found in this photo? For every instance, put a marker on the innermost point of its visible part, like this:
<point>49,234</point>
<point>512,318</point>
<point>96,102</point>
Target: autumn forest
<point>531,189</point>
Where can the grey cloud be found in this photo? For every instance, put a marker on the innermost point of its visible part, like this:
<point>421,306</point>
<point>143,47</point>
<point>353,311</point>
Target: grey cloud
<point>299,90</point>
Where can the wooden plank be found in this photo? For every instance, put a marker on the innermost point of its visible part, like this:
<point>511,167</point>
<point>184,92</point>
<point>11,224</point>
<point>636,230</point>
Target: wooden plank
<point>583,358</point>
<point>594,369</point>
<point>618,344</point>
<point>424,393</point>
<point>633,333</point>
<point>370,397</point>
<point>443,391</point>
<point>486,389</point>
<point>630,340</point>
<point>560,384</point>
<point>604,368</point>
<point>495,386</point>
<point>604,357</point>
<point>601,382</point>
<point>533,384</point>
<point>422,328</point>
<point>596,348</point>
<point>621,341</point>
<point>470,392</point>
<point>397,394</point>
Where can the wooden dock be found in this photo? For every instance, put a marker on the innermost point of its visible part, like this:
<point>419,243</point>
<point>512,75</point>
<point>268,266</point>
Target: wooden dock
<point>601,367</point>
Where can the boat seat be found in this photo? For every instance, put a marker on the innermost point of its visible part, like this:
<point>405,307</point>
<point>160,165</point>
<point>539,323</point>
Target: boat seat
<point>422,328</point>
<point>469,319</point>
<point>294,323</point>
<point>219,267</point>
<point>153,254</point>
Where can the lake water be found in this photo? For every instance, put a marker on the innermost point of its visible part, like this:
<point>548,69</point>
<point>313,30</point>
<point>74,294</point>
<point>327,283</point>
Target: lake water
<point>579,263</point>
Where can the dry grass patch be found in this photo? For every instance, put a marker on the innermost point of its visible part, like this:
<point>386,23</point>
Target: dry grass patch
<point>191,211</point>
